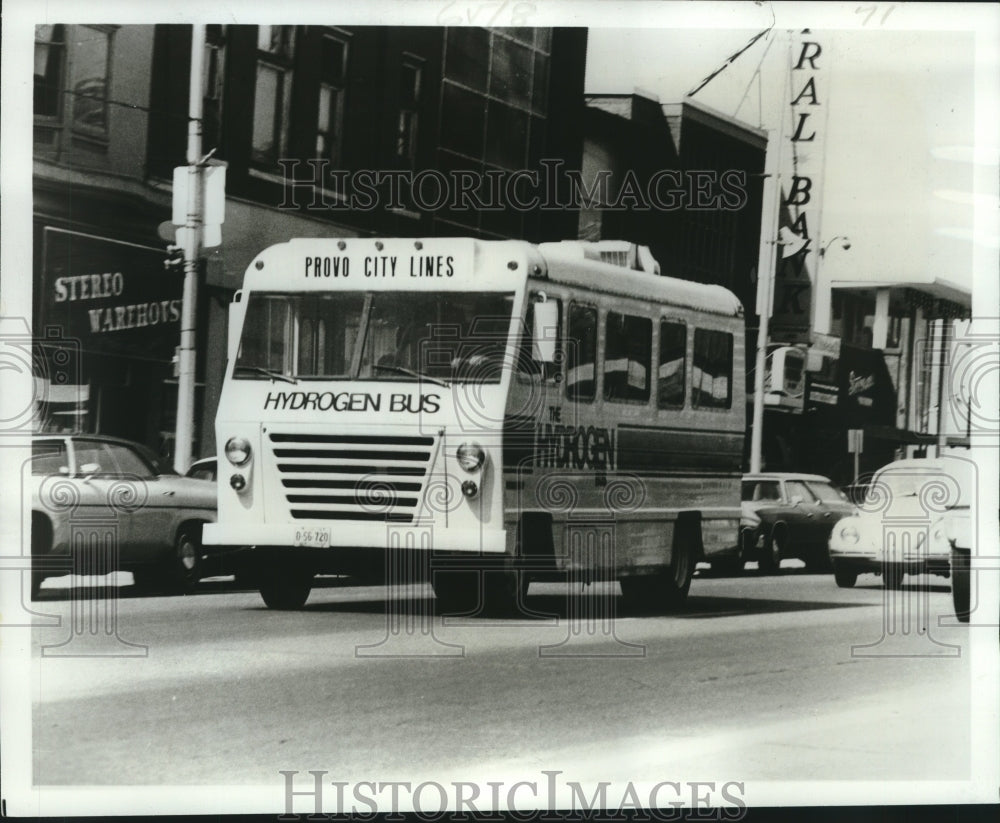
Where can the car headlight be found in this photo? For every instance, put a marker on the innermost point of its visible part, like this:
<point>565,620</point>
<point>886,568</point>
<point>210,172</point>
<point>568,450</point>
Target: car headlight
<point>470,456</point>
<point>238,451</point>
<point>849,534</point>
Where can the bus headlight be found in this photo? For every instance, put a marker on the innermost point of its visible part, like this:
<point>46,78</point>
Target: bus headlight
<point>470,489</point>
<point>238,451</point>
<point>471,456</point>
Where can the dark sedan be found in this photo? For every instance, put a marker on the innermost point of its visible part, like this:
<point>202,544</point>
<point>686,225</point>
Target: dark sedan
<point>797,513</point>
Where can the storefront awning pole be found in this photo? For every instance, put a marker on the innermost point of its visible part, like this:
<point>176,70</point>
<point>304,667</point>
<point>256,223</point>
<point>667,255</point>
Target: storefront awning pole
<point>192,248</point>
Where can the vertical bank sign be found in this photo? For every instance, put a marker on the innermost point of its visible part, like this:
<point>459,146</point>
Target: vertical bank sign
<point>114,297</point>
<point>802,195</point>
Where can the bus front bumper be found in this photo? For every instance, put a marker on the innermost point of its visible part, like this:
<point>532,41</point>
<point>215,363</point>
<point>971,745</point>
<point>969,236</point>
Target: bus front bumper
<point>310,534</point>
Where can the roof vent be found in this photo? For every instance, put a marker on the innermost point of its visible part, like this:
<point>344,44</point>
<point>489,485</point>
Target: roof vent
<point>614,252</point>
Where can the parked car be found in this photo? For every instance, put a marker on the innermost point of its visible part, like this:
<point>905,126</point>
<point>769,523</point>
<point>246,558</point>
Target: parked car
<point>116,506</point>
<point>204,469</point>
<point>751,539</point>
<point>797,513</point>
<point>914,520</point>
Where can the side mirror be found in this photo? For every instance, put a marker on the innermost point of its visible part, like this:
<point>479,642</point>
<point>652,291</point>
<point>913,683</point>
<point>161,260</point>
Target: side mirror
<point>88,470</point>
<point>545,331</point>
<point>796,499</point>
<point>237,311</point>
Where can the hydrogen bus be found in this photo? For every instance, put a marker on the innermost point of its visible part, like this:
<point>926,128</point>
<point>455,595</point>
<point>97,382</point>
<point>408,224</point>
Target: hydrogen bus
<point>492,412</point>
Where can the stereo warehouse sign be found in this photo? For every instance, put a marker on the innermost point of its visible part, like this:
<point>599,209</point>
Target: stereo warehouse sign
<point>112,296</point>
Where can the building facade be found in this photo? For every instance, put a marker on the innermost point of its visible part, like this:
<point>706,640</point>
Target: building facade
<point>325,131</point>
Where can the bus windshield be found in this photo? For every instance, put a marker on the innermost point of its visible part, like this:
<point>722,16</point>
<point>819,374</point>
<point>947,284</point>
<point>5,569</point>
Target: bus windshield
<point>392,336</point>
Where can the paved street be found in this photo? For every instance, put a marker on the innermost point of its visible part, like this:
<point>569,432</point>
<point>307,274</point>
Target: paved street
<point>754,682</point>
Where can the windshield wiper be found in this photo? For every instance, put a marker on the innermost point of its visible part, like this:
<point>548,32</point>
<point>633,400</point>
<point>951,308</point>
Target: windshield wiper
<point>274,375</point>
<point>410,373</point>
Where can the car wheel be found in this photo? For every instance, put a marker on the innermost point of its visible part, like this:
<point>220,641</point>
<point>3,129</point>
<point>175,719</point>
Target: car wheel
<point>845,576</point>
<point>892,576</point>
<point>770,562</point>
<point>961,560</point>
<point>186,560</point>
<point>286,589</point>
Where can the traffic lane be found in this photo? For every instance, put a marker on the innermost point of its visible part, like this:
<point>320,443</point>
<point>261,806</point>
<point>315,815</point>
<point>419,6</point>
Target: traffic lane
<point>299,686</point>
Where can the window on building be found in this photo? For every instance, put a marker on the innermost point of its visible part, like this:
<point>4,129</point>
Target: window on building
<point>463,119</point>
<point>88,80</point>
<point>712,369</point>
<point>511,71</point>
<point>50,55</point>
<point>628,347</point>
<point>332,94</point>
<point>272,92</point>
<point>410,81</point>
<point>213,85</point>
<point>581,353</point>
<point>671,371</point>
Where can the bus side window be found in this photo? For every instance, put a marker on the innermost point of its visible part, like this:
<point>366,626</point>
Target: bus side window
<point>627,354</point>
<point>581,353</point>
<point>671,372</point>
<point>712,372</point>
<point>526,362</point>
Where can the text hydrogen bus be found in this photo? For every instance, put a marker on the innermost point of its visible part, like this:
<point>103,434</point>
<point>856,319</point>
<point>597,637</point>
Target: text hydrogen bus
<point>498,412</point>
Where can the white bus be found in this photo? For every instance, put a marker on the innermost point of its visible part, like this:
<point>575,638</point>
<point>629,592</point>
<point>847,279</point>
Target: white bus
<point>497,411</point>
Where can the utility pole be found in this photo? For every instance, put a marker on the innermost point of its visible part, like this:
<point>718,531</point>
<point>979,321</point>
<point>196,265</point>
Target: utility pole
<point>766,261</point>
<point>191,245</point>
<point>766,264</point>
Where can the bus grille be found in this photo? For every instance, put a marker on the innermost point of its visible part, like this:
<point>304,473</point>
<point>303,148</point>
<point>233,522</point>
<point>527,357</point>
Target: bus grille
<point>352,477</point>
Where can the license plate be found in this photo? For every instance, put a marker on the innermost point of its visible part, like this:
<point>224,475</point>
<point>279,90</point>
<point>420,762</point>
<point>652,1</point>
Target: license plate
<point>312,537</point>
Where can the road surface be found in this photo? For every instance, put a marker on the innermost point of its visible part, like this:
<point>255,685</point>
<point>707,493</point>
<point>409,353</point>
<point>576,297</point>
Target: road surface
<point>761,678</point>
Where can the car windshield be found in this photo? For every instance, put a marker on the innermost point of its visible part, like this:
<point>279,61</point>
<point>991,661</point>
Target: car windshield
<point>952,481</point>
<point>443,336</point>
<point>827,493</point>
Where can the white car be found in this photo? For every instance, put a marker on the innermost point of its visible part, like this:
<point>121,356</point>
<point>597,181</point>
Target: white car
<point>909,523</point>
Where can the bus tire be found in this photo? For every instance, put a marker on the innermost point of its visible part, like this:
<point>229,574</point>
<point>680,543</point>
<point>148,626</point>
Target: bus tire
<point>666,590</point>
<point>286,589</point>
<point>456,590</point>
<point>960,582</point>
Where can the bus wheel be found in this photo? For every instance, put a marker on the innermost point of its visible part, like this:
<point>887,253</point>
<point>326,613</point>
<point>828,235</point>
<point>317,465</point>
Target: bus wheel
<point>457,592</point>
<point>666,590</point>
<point>960,562</point>
<point>286,589</point>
